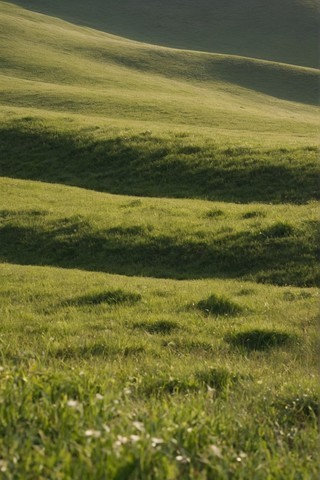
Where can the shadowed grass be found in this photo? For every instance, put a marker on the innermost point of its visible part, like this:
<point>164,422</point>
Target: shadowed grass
<point>218,305</point>
<point>111,297</point>
<point>297,409</point>
<point>280,252</point>
<point>219,379</point>
<point>101,350</point>
<point>252,340</point>
<point>161,327</point>
<point>154,166</point>
<point>245,27</point>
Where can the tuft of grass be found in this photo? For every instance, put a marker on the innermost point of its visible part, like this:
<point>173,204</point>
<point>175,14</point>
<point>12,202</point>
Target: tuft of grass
<point>161,327</point>
<point>110,297</point>
<point>253,214</point>
<point>220,379</point>
<point>257,339</point>
<point>298,408</point>
<point>215,213</point>
<point>168,386</point>
<point>219,305</point>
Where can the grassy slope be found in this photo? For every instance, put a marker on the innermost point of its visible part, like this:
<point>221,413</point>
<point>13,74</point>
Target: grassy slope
<point>221,387</point>
<point>157,388</point>
<point>135,377</point>
<point>71,228</point>
<point>167,111</point>
<point>280,30</point>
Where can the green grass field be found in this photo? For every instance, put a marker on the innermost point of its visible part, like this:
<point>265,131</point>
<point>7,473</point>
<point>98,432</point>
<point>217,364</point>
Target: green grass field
<point>159,246</point>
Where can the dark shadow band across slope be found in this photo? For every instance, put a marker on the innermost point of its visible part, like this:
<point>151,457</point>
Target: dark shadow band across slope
<point>278,254</point>
<point>60,53</point>
<point>149,165</point>
<point>279,30</point>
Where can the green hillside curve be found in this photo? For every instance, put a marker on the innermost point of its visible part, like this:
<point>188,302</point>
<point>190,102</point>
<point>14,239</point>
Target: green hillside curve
<point>141,120</point>
<point>160,321</point>
<point>279,30</point>
<point>51,64</point>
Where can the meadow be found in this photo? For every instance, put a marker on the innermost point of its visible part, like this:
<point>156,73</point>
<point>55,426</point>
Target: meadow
<point>159,253</point>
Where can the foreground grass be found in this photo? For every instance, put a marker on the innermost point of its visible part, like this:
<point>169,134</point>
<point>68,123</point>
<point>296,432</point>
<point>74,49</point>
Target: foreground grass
<point>130,378</point>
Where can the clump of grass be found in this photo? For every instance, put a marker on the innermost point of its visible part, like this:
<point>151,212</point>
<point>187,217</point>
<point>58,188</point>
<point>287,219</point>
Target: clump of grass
<point>290,296</point>
<point>189,346</point>
<point>218,305</point>
<point>218,378</point>
<point>253,214</point>
<point>245,291</point>
<point>297,409</point>
<point>98,349</point>
<point>279,230</point>
<point>161,327</point>
<point>260,339</point>
<point>167,386</point>
<point>215,213</point>
<point>110,297</point>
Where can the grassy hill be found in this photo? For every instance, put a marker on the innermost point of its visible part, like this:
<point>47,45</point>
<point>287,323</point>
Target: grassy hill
<point>156,237</point>
<point>279,30</point>
<point>144,120</point>
<point>160,321</point>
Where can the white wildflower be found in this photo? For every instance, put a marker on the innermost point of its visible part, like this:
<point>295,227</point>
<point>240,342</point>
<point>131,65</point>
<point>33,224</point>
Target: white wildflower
<point>73,403</point>
<point>121,440</point>
<point>139,426</point>
<point>216,451</point>
<point>92,433</point>
<point>182,459</point>
<point>156,441</point>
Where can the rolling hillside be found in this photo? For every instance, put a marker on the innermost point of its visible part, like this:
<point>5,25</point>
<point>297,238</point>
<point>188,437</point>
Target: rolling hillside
<point>127,115</point>
<point>159,227</point>
<point>279,30</point>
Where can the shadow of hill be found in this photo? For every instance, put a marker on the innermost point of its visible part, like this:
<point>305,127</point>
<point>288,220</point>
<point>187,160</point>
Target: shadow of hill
<point>278,254</point>
<point>282,30</point>
<point>148,165</point>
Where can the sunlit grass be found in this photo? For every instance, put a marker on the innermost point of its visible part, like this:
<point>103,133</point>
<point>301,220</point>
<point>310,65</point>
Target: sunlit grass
<point>159,257</point>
